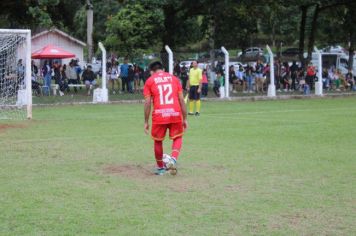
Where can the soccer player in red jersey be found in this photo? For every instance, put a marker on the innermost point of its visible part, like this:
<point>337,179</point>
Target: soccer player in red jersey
<point>164,91</point>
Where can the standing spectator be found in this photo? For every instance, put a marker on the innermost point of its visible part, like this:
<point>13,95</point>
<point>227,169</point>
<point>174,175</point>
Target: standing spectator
<point>184,76</point>
<point>78,70</point>
<point>130,78</point>
<point>293,72</point>
<point>146,75</point>
<point>71,74</point>
<point>285,76</point>
<point>259,76</point>
<point>205,84</point>
<point>176,70</point>
<point>47,74</point>
<point>20,70</point>
<point>194,86</point>
<point>310,76</point>
<point>136,78</point>
<point>113,77</point>
<point>331,76</point>
<point>248,78</point>
<point>88,77</point>
<point>124,73</point>
<point>278,75</point>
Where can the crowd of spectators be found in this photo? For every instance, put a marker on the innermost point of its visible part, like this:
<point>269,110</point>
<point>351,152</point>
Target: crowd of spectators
<point>254,77</point>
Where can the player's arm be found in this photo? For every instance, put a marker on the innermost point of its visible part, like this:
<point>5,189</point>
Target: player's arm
<point>200,81</point>
<point>147,112</point>
<point>183,109</point>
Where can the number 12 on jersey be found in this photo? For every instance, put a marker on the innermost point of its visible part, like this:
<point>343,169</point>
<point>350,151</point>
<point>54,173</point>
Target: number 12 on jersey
<point>165,94</point>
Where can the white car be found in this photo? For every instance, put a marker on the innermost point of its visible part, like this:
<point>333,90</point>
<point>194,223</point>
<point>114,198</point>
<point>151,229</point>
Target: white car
<point>252,52</point>
<point>335,49</point>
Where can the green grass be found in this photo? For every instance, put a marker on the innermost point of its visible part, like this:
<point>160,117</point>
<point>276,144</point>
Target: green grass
<point>246,168</point>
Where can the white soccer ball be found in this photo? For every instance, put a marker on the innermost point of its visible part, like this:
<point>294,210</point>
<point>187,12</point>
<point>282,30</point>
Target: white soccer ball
<point>166,159</point>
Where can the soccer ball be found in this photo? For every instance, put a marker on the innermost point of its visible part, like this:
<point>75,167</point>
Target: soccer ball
<point>167,159</point>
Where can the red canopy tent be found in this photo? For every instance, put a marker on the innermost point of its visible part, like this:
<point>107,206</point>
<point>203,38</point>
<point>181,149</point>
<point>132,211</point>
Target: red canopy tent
<point>51,52</point>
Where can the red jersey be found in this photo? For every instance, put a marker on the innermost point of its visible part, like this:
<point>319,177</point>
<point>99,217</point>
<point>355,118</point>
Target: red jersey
<point>164,89</point>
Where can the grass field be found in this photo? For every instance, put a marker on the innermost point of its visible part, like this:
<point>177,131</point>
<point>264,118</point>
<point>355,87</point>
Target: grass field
<point>247,168</point>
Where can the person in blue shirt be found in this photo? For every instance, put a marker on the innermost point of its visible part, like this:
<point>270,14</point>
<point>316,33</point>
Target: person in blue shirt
<point>124,74</point>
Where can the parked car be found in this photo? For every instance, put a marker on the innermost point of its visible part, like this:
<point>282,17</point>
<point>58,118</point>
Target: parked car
<point>290,52</point>
<point>252,52</point>
<point>335,49</point>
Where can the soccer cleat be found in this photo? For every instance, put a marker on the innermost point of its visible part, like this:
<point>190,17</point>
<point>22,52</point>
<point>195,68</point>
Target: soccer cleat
<point>190,113</point>
<point>197,114</point>
<point>160,171</point>
<point>172,166</point>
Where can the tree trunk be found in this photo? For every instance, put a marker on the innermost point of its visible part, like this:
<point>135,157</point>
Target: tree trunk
<point>212,43</point>
<point>351,51</point>
<point>303,20</point>
<point>313,30</point>
<point>90,30</point>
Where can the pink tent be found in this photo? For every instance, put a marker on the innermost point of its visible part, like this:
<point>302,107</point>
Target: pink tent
<point>51,52</point>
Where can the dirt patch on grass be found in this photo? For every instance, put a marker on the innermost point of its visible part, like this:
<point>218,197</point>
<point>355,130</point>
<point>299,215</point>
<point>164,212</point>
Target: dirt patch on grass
<point>129,171</point>
<point>4,127</point>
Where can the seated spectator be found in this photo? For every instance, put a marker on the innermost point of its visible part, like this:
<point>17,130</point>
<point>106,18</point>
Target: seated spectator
<point>350,82</point>
<point>218,82</point>
<point>240,75</point>
<point>34,75</point>
<point>88,77</point>
<point>337,80</point>
<point>331,76</point>
<point>62,81</point>
<point>326,81</point>
<point>232,77</point>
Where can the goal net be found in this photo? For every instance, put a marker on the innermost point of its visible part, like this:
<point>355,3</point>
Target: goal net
<point>15,74</point>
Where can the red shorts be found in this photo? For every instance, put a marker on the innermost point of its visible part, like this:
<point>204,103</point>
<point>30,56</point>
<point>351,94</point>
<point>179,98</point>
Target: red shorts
<point>158,131</point>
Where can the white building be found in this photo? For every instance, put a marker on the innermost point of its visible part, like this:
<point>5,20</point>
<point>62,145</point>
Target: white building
<point>60,39</point>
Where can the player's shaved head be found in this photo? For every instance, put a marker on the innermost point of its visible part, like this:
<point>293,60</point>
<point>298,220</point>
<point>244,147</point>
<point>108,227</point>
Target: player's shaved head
<point>155,66</point>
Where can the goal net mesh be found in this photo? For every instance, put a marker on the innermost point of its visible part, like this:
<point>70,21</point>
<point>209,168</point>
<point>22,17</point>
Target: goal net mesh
<point>12,76</point>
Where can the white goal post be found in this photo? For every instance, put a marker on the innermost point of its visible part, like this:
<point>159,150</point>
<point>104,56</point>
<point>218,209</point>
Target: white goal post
<point>15,77</point>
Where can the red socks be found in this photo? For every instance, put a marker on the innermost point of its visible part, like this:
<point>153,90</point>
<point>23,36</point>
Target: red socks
<point>176,146</point>
<point>158,148</point>
<point>159,153</point>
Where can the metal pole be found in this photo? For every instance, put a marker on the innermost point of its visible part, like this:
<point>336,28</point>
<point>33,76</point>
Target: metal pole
<point>103,50</point>
<point>170,59</point>
<point>104,90</point>
<point>319,83</point>
<point>271,86</point>
<point>227,63</point>
<point>28,74</point>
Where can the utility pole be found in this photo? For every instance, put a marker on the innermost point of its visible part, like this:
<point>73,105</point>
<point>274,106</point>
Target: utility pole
<point>89,8</point>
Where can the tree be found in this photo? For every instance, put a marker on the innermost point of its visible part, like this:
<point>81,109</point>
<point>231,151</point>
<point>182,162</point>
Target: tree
<point>134,28</point>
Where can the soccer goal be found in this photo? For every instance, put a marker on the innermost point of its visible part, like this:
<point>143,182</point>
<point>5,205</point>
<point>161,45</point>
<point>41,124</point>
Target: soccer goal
<point>15,74</point>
